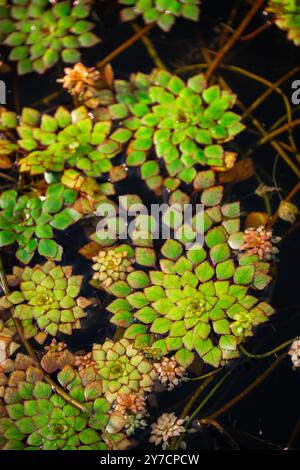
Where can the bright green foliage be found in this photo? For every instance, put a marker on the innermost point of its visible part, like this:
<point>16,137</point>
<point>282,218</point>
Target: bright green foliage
<point>287,17</point>
<point>47,300</point>
<point>186,124</point>
<point>112,265</point>
<point>29,220</point>
<point>196,307</point>
<point>40,33</point>
<point>67,140</point>
<point>39,419</point>
<point>123,368</point>
<point>162,12</point>
<point>199,299</point>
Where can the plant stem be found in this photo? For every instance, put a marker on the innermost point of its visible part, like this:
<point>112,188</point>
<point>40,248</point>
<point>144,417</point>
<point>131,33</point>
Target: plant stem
<point>248,389</point>
<point>209,374</point>
<point>125,45</point>
<point>150,48</point>
<point>258,31</point>
<point>294,434</point>
<point>221,430</point>
<point>268,353</point>
<point>270,90</point>
<point>230,43</point>
<point>278,131</point>
<point>201,405</point>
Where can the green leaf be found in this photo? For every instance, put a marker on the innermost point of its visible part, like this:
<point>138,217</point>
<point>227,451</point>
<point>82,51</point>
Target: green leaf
<point>89,436</point>
<point>138,279</point>
<point>42,390</point>
<point>49,249</point>
<point>88,39</point>
<point>225,270</point>
<point>184,357</point>
<point>213,357</point>
<point>120,289</point>
<point>145,256</point>
<point>172,249</point>
<point>161,326</point>
<point>244,275</point>
<point>7,238</point>
<point>204,271</point>
<point>70,56</point>
<point>219,253</point>
<point>135,330</point>
<point>146,315</point>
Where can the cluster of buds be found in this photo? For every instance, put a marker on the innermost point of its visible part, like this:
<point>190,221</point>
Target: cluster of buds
<point>132,408</point>
<point>56,347</point>
<point>166,427</point>
<point>57,356</point>
<point>77,79</point>
<point>260,241</point>
<point>169,372</point>
<point>84,362</point>
<point>111,266</point>
<point>90,86</point>
<point>294,352</point>
<point>130,403</point>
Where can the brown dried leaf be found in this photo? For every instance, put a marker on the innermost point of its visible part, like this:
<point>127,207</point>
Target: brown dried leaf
<point>256,219</point>
<point>5,162</point>
<point>117,173</point>
<point>241,171</point>
<point>288,212</point>
<point>90,250</point>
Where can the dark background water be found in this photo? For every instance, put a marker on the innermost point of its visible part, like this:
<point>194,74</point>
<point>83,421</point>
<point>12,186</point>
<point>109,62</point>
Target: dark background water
<point>267,416</point>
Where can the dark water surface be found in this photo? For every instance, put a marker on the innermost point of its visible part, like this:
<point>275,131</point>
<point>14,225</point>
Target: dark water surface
<point>266,417</point>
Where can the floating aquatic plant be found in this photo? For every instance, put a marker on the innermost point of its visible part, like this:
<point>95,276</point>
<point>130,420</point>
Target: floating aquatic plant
<point>162,12</point>
<point>67,140</point>
<point>123,368</point>
<point>29,220</point>
<point>47,301</point>
<point>186,124</point>
<point>199,300</point>
<point>169,372</point>
<point>37,418</point>
<point>132,408</point>
<point>287,17</point>
<point>41,33</point>
<point>166,427</point>
<point>112,265</point>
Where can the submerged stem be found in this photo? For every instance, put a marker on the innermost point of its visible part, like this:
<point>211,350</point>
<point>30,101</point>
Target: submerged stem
<point>125,45</point>
<point>268,353</point>
<point>248,389</point>
<point>230,43</point>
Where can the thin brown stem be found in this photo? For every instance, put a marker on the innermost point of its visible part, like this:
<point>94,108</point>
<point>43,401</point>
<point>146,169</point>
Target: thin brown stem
<point>150,48</point>
<point>270,136</point>
<point>293,436</point>
<point>248,389</point>
<point>258,31</point>
<point>236,35</point>
<point>125,45</point>
<point>268,353</point>
<point>227,437</point>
